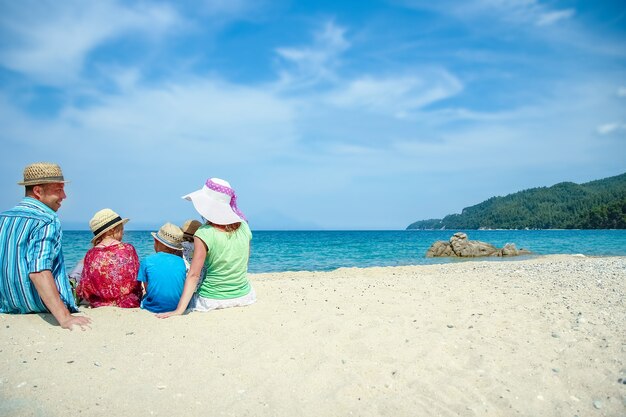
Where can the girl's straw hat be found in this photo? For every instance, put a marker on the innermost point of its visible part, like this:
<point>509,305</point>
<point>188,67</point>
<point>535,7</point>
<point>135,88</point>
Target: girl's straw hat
<point>103,221</point>
<point>170,235</point>
<point>216,201</point>
<point>190,227</point>
<point>42,173</point>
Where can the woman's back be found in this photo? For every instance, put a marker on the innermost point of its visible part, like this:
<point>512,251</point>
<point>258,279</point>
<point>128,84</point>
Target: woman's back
<point>222,248</point>
<point>226,262</point>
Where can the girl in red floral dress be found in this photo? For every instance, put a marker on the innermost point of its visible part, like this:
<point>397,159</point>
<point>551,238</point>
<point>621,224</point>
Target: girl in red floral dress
<point>109,276</point>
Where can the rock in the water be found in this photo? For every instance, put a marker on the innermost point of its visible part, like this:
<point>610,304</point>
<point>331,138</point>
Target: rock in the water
<point>459,245</point>
<point>439,248</point>
<point>509,250</point>
<point>463,247</point>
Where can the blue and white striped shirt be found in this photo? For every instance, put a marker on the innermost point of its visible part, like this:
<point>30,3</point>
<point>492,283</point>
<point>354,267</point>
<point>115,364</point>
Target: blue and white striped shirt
<point>30,241</point>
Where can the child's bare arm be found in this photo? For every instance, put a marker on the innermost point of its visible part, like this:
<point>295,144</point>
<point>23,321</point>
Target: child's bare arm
<point>191,282</point>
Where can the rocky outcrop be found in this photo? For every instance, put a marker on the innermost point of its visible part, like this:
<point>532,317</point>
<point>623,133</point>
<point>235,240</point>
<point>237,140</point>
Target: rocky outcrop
<point>460,246</point>
<point>440,248</point>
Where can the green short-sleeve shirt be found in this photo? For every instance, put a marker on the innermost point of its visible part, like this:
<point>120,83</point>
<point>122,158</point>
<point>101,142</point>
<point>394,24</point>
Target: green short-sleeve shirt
<point>226,262</point>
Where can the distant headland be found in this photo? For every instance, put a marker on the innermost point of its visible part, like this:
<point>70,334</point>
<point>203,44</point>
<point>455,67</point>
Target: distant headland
<point>599,204</point>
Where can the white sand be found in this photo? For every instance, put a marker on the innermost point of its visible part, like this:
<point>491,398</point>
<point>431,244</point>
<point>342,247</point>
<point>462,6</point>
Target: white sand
<point>540,337</point>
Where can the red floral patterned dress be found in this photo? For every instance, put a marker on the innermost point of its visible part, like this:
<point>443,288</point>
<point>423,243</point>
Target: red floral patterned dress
<point>109,277</point>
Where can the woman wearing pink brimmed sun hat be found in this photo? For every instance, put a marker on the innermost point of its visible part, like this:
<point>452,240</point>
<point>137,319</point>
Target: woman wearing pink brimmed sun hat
<point>222,246</point>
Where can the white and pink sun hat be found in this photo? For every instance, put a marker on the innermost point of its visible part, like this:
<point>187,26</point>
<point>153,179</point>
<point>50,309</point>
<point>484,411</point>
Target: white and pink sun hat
<point>216,201</point>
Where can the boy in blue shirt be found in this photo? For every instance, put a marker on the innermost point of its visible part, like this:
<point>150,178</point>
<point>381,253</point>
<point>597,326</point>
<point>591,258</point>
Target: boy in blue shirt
<point>163,274</point>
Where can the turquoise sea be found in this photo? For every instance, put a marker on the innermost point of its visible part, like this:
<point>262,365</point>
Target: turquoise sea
<point>277,251</point>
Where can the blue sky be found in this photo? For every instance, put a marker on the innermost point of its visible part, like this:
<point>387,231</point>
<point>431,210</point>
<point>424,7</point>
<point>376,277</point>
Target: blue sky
<point>322,115</point>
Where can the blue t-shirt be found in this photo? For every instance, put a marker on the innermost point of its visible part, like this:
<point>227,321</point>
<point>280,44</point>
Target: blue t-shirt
<point>165,274</point>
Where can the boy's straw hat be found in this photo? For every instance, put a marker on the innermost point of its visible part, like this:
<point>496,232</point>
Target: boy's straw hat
<point>170,235</point>
<point>42,173</point>
<point>103,221</point>
<point>216,201</point>
<point>190,227</point>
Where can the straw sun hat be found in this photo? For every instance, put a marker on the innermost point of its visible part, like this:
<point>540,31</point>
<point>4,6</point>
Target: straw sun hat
<point>103,221</point>
<point>216,201</point>
<point>190,227</point>
<point>42,173</point>
<point>170,235</point>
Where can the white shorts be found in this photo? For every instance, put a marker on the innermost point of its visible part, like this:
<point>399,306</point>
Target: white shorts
<point>199,303</point>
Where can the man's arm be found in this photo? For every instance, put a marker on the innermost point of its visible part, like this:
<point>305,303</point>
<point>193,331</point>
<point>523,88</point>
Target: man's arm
<point>44,283</point>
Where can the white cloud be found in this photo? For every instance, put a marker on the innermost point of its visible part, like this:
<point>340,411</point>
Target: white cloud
<point>50,40</point>
<point>608,128</point>
<point>511,11</point>
<point>211,113</point>
<point>526,11</point>
<point>314,63</point>
<point>396,95</point>
<point>463,114</point>
<point>549,18</point>
<point>621,92</point>
<point>218,118</point>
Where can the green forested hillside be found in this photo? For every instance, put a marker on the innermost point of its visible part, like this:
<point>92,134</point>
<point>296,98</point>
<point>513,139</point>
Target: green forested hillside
<point>598,204</point>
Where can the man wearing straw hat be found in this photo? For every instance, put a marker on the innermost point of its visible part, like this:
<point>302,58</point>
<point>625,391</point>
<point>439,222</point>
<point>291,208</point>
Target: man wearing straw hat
<point>32,269</point>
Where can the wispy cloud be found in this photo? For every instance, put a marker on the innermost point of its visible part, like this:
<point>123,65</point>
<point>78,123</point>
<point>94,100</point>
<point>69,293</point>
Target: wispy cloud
<point>308,65</point>
<point>203,112</point>
<point>548,18</point>
<point>397,95</point>
<point>66,32</point>
<point>525,11</point>
<point>609,128</point>
<point>511,11</point>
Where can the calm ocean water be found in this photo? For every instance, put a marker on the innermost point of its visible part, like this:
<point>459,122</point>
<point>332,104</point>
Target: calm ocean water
<point>326,250</point>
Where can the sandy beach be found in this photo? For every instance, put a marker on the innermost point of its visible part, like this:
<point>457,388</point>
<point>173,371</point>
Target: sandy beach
<point>537,337</point>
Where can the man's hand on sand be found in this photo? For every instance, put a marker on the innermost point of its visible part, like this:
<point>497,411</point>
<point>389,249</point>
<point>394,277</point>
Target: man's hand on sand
<point>72,321</point>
